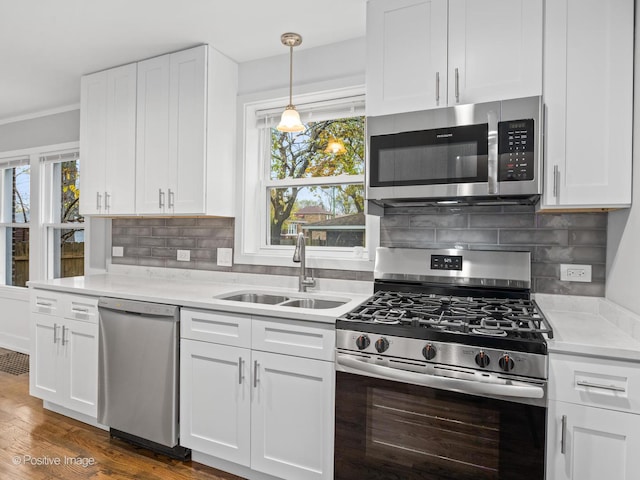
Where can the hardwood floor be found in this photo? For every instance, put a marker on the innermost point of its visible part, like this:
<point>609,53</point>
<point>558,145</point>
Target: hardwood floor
<point>36,444</point>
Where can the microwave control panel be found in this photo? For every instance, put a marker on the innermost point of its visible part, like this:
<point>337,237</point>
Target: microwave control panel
<point>515,151</point>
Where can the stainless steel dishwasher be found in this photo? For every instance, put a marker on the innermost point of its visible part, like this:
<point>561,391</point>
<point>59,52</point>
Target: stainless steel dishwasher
<point>138,373</point>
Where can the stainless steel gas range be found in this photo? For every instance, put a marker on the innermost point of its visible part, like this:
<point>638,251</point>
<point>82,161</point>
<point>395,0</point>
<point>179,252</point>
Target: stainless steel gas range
<point>442,374</point>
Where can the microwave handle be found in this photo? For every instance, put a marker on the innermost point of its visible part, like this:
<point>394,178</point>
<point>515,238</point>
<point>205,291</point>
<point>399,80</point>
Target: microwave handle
<point>492,159</point>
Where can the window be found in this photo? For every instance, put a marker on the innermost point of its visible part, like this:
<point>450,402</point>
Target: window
<point>62,221</point>
<point>310,182</point>
<point>15,191</point>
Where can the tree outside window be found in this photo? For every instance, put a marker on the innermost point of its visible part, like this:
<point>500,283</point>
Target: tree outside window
<point>316,184</point>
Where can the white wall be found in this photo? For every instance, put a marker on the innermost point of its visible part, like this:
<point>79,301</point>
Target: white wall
<point>330,62</point>
<point>623,240</point>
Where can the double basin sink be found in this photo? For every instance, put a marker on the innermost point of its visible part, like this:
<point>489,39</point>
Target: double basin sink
<point>283,301</point>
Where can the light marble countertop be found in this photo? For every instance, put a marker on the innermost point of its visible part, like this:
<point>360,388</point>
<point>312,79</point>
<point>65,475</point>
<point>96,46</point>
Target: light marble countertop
<point>591,326</point>
<point>204,289</point>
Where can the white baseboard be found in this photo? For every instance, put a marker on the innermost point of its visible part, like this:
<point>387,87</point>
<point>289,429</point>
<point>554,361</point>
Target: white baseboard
<point>230,467</point>
<point>15,343</point>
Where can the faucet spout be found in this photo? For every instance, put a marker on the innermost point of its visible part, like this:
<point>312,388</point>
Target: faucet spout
<point>300,256</point>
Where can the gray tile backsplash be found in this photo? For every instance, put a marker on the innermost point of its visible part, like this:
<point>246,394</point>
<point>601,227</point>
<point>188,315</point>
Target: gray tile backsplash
<point>153,242</point>
<point>551,238</point>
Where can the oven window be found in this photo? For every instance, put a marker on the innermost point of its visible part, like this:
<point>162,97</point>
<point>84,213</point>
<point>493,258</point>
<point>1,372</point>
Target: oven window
<point>453,155</point>
<point>393,430</point>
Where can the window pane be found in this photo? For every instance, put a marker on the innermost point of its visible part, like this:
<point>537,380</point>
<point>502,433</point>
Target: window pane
<point>323,149</point>
<point>331,216</point>
<point>21,194</point>
<point>70,192</point>
<point>17,266</point>
<point>68,250</point>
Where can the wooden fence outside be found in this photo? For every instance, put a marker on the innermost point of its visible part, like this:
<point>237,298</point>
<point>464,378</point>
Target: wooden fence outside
<point>71,262</point>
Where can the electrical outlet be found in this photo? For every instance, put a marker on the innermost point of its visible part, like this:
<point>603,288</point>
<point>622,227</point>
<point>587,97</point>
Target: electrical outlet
<point>117,251</point>
<point>184,255</point>
<point>575,273</point>
<point>225,257</point>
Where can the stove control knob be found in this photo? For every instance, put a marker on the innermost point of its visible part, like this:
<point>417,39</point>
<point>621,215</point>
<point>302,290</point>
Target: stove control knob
<point>362,342</point>
<point>429,352</point>
<point>482,359</point>
<point>506,362</point>
<point>382,345</point>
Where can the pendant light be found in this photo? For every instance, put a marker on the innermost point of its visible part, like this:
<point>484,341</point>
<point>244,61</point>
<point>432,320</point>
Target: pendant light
<point>290,120</point>
<point>335,147</point>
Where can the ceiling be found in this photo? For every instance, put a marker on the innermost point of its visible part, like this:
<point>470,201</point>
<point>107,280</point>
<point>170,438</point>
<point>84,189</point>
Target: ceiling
<point>46,45</point>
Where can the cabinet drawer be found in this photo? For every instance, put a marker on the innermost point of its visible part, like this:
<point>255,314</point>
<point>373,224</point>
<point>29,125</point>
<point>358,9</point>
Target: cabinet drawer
<point>217,327</point>
<point>596,382</point>
<point>80,307</point>
<point>302,339</point>
<point>47,302</point>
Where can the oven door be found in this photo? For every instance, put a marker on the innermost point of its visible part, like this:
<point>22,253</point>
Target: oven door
<point>388,429</point>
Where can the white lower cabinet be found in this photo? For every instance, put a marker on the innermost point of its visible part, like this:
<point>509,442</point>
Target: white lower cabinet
<point>593,427</point>
<point>292,416</point>
<point>598,443</point>
<point>270,412</point>
<point>64,352</point>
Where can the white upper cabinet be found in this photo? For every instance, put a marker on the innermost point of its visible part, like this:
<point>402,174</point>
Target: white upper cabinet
<point>406,55</point>
<point>161,131</point>
<point>172,121</point>
<point>588,94</point>
<point>495,50</point>
<point>425,54</point>
<point>108,141</point>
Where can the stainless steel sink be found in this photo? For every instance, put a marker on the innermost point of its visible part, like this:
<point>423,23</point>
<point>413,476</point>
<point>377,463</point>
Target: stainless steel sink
<point>315,303</point>
<point>257,298</point>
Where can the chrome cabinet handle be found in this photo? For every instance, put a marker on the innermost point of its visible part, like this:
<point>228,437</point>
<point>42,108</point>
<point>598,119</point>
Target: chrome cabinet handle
<point>106,201</point>
<point>79,310</point>
<point>172,196</point>
<point>556,174</point>
<point>613,388</point>
<point>457,86</point>
<point>240,370</point>
<point>437,88</point>
<point>55,333</point>
<point>160,198</point>
<point>43,304</point>
<point>98,201</point>
<point>255,374</point>
<point>64,342</point>
<point>563,438</point>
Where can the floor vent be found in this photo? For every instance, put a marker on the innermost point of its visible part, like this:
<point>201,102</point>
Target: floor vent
<point>14,363</point>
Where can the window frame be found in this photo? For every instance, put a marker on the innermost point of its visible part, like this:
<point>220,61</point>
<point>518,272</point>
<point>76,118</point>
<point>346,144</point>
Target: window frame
<point>50,221</point>
<point>6,207</point>
<point>253,183</point>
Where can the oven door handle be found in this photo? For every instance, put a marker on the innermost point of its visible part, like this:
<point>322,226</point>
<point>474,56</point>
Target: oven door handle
<point>443,383</point>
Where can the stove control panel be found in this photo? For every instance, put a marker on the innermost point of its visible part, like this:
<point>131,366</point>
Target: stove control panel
<point>445,353</point>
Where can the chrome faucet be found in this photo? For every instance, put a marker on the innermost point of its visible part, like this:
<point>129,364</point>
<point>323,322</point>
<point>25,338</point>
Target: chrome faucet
<point>300,256</point>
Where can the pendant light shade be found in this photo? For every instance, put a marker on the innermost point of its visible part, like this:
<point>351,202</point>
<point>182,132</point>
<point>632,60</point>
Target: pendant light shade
<point>335,147</point>
<point>290,121</point>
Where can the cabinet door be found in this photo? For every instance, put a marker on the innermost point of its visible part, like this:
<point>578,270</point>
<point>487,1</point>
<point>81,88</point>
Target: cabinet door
<point>80,352</point>
<point>406,55</point>
<point>152,146</point>
<point>598,443</point>
<point>292,416</point>
<point>44,376</point>
<point>93,141</point>
<point>215,400</point>
<point>495,50</point>
<point>120,166</point>
<point>588,90</point>
<point>187,131</point>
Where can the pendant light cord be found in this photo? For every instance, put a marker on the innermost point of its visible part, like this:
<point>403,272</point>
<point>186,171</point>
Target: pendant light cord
<point>290,75</point>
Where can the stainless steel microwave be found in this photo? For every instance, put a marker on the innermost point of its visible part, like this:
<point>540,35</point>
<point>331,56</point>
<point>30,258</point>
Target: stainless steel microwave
<point>471,154</point>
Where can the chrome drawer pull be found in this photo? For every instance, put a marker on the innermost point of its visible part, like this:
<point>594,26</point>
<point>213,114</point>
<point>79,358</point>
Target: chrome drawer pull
<point>64,342</point>
<point>44,304</point>
<point>240,370</point>
<point>563,438</point>
<point>80,310</point>
<point>613,388</point>
<point>55,333</point>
